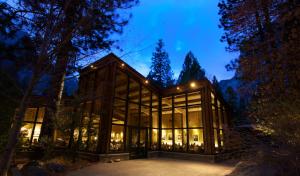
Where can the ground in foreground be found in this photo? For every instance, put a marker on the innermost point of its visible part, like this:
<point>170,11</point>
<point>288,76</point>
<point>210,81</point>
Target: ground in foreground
<point>156,167</point>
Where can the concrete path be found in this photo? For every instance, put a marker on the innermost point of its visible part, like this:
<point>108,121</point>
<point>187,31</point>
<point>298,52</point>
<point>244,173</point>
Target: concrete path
<point>155,167</point>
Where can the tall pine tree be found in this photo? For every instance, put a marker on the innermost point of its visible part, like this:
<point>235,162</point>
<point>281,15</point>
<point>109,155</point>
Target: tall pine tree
<point>161,72</point>
<point>191,70</point>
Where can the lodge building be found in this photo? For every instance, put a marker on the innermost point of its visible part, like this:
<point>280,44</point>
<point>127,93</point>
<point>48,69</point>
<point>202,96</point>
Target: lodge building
<point>124,114</point>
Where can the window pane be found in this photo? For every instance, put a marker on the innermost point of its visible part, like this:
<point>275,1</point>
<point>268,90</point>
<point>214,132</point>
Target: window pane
<point>179,100</point>
<point>220,118</point>
<point>41,114</point>
<point>194,98</point>
<point>121,85</point>
<point>212,98</point>
<point>155,101</point>
<point>216,138</point>
<point>166,103</point>
<point>134,91</point>
<point>116,141</point>
<point>180,140</point>
<point>155,117</point>
<point>145,116</point>
<point>30,114</point>
<point>119,111</point>
<point>180,117</point>
<point>167,118</point>
<point>154,143</point>
<point>133,114</point>
<point>94,129</point>
<point>146,95</point>
<point>25,134</point>
<point>214,117</point>
<point>195,116</point>
<point>196,140</point>
<point>166,140</point>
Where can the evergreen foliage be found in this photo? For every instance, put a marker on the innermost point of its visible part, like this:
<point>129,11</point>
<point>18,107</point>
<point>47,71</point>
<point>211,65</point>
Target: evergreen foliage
<point>161,72</point>
<point>191,70</point>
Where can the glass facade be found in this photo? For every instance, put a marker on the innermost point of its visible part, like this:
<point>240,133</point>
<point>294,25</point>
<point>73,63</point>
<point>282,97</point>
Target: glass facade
<point>120,111</point>
<point>31,127</point>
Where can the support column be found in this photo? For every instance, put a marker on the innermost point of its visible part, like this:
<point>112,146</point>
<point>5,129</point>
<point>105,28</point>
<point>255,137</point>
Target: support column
<point>207,121</point>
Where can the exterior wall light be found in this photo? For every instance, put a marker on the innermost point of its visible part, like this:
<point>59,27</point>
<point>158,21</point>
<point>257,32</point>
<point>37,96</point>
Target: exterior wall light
<point>146,81</point>
<point>93,67</point>
<point>122,65</point>
<point>193,84</point>
<point>178,88</point>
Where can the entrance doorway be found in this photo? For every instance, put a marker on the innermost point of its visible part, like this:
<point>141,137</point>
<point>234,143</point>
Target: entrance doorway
<point>137,142</point>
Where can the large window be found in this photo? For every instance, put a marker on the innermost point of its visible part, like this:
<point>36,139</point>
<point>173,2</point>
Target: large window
<point>167,125</point>
<point>155,122</point>
<point>31,127</point>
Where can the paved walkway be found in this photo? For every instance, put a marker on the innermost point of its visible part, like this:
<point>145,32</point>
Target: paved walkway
<point>155,167</point>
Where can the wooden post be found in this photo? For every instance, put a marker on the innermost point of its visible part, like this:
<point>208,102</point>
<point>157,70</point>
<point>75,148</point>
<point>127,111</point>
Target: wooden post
<point>207,119</point>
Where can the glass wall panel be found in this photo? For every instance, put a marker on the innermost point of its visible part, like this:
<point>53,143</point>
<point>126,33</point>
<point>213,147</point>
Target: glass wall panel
<point>220,115</point>
<point>121,85</point>
<point>146,96</point>
<point>216,139</point>
<point>195,116</point>
<point>85,125</point>
<point>95,123</point>
<point>196,140</point>
<point>145,116</point>
<point>180,140</point>
<point>25,134</point>
<point>214,117</point>
<point>155,117</point>
<point>41,114</point>
<point>166,140</point>
<point>119,111</point>
<point>134,91</point>
<point>194,98</point>
<point>179,100</point>
<point>30,114</point>
<point>116,141</point>
<point>133,114</point>
<point>166,103</point>
<point>155,101</point>
<point>180,117</point>
<point>167,118</point>
<point>154,143</point>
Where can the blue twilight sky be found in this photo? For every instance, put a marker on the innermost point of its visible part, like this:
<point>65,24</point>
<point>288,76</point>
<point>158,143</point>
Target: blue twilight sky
<point>183,25</point>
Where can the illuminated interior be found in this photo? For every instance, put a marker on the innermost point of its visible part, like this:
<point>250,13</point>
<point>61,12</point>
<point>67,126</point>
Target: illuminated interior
<point>121,111</point>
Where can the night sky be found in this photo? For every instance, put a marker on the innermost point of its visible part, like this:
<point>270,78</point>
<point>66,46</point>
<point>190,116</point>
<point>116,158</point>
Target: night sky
<point>189,25</point>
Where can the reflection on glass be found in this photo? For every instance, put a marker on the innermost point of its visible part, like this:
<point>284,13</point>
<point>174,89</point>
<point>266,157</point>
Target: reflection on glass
<point>116,138</point>
<point>196,140</point>
<point>179,100</point>
<point>166,140</point>
<point>180,117</point>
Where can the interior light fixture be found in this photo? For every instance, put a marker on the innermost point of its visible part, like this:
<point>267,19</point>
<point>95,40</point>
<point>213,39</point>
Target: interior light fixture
<point>193,84</point>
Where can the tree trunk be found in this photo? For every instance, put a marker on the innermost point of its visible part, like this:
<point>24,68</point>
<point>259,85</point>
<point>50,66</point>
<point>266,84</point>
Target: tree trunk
<point>15,129</point>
